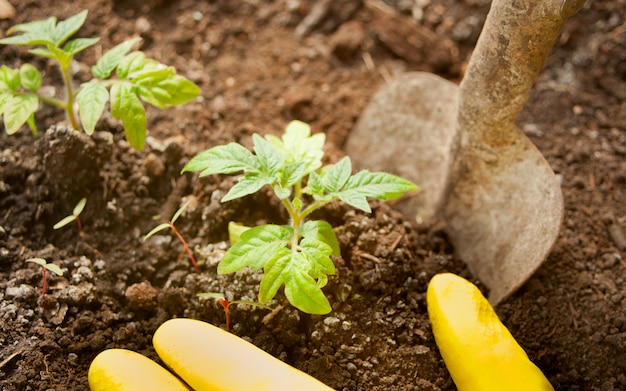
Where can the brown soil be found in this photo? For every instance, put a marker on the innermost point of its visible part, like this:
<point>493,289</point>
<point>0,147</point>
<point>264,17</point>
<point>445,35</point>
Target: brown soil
<point>261,63</point>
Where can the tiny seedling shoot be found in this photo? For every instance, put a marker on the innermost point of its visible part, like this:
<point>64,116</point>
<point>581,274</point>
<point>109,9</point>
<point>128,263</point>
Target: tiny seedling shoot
<point>297,255</point>
<point>73,217</point>
<point>226,304</point>
<point>137,78</point>
<point>45,266</point>
<point>170,225</point>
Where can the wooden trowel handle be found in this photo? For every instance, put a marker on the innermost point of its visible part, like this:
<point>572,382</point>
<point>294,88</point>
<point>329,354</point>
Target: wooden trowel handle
<point>514,43</point>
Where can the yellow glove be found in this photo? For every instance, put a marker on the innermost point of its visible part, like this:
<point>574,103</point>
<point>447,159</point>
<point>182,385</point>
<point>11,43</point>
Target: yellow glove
<point>479,351</point>
<point>206,357</point>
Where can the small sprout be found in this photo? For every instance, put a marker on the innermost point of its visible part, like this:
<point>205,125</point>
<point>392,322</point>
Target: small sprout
<point>170,225</point>
<point>297,255</point>
<point>226,304</point>
<point>137,80</point>
<point>45,266</point>
<point>73,217</point>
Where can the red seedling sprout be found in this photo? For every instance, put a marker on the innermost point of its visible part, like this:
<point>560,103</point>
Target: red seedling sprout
<point>45,266</point>
<point>73,217</point>
<point>170,225</point>
<point>226,304</point>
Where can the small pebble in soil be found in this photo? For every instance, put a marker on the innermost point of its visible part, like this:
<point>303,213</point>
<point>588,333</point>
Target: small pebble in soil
<point>142,297</point>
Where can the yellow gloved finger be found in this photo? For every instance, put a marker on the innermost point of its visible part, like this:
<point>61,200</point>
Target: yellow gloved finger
<point>125,370</point>
<point>479,351</point>
<point>211,359</point>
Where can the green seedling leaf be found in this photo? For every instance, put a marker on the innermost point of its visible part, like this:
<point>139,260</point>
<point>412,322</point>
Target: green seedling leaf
<point>125,105</point>
<point>18,110</point>
<point>92,99</point>
<point>298,146</point>
<point>375,185</point>
<point>78,209</point>
<point>64,221</point>
<point>180,211</point>
<point>79,44</point>
<point>43,52</point>
<point>30,77</point>
<point>134,63</point>
<point>65,29</point>
<point>336,176</point>
<point>322,231</point>
<point>107,63</point>
<point>234,232</point>
<point>224,159</point>
<point>269,157</point>
<point>50,266</point>
<point>248,184</point>
<point>255,249</point>
<point>156,229</point>
<point>9,79</point>
<point>301,289</point>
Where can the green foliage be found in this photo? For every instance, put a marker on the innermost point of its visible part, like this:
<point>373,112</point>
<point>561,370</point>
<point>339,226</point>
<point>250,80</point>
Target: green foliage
<point>49,266</point>
<point>296,256</point>
<point>137,79</point>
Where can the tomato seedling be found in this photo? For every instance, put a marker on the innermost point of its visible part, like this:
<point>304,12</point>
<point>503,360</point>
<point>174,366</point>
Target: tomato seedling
<point>170,225</point>
<point>138,79</point>
<point>45,266</point>
<point>297,255</point>
<point>78,209</point>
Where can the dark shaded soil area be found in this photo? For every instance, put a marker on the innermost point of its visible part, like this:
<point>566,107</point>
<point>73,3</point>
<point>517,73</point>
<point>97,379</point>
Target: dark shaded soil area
<point>260,64</point>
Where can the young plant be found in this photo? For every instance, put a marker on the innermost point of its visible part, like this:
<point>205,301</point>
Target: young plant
<point>226,304</point>
<point>170,225</point>
<point>78,209</point>
<point>297,255</point>
<point>45,266</point>
<point>138,79</point>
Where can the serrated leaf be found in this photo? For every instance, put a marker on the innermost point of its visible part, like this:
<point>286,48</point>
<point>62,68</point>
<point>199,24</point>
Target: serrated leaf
<point>323,231</point>
<point>336,176</point>
<point>223,159</point>
<point>270,158</point>
<point>156,229</point>
<point>17,111</point>
<point>152,77</point>
<point>40,32</point>
<point>92,99</point>
<point>318,256</point>
<point>133,63</point>
<point>299,146</point>
<point>314,186</point>
<point>301,289</point>
<point>68,27</point>
<point>255,249</point>
<point>126,106</point>
<point>9,78</point>
<point>247,184</point>
<point>79,44</point>
<point>64,221</point>
<point>375,185</point>
<point>303,293</point>
<point>109,60</point>
<point>234,232</point>
<point>292,173</point>
<point>30,77</point>
<point>172,91</point>
<point>276,272</point>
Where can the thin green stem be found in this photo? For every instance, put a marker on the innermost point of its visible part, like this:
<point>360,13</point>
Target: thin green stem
<point>69,97</point>
<point>51,101</point>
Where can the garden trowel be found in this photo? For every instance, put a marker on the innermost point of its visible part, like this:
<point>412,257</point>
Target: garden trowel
<point>501,201</point>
